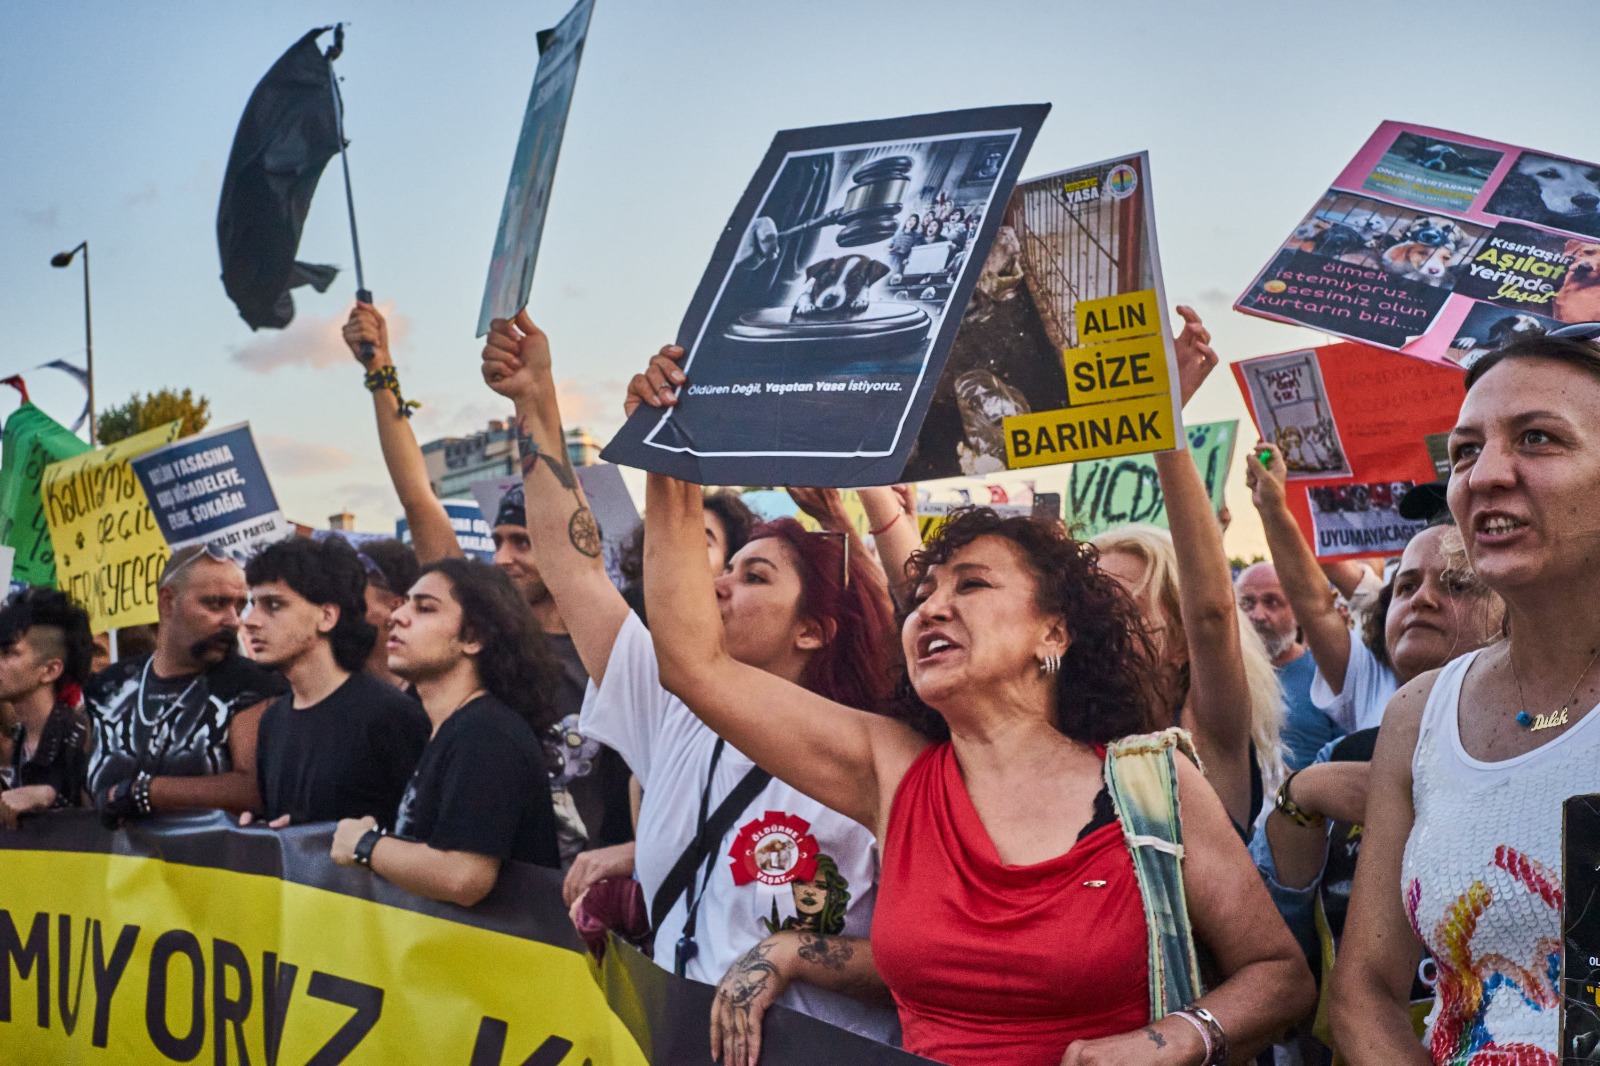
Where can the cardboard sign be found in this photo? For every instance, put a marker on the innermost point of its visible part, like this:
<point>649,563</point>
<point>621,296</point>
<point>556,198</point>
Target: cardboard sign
<point>1351,422</point>
<point>467,522</point>
<point>1107,493</point>
<point>1441,246</point>
<point>824,320</point>
<point>212,489</point>
<point>109,550</point>
<point>1064,353</point>
<point>32,441</point>
<point>533,170</point>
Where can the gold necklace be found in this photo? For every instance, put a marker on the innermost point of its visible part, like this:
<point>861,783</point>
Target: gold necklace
<point>1533,723</point>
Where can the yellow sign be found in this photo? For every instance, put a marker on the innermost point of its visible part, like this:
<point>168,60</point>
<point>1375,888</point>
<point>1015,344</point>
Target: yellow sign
<point>1113,318</point>
<point>1119,370</point>
<point>109,553</point>
<point>175,963</point>
<point>1097,431</point>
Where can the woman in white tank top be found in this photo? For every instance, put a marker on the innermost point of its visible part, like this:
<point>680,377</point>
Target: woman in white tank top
<point>1462,850</point>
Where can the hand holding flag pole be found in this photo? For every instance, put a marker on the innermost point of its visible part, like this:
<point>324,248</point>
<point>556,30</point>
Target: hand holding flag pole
<point>362,294</point>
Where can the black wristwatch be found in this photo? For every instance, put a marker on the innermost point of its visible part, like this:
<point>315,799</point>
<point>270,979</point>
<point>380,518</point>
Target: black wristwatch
<point>364,846</point>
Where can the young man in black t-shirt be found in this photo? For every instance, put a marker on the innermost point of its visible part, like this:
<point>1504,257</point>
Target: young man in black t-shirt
<point>481,796</point>
<point>340,744</point>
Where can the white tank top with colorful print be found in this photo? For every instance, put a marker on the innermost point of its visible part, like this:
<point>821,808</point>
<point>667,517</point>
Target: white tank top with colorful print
<point>1481,879</point>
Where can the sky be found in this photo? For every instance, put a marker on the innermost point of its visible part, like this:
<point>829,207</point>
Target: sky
<point>118,119</point>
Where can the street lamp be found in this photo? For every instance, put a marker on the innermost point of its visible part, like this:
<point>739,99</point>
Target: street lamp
<point>64,259</point>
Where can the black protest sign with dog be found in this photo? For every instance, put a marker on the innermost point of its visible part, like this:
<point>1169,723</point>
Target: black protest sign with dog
<point>823,322</point>
<point>1421,226</point>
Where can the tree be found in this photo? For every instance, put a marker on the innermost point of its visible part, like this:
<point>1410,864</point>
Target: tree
<point>154,409</point>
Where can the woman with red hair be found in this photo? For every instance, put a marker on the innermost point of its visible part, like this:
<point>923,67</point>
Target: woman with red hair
<point>786,889</point>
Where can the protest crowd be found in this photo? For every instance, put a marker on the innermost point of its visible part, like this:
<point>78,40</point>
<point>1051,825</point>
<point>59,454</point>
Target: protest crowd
<point>990,789</point>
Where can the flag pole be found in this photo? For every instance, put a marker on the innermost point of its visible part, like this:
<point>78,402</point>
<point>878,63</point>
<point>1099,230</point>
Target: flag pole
<point>362,295</point>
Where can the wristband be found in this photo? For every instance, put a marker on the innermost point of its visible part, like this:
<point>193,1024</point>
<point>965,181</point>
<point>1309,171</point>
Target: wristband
<point>1292,810</point>
<point>364,846</point>
<point>887,525</point>
<point>139,791</point>
<point>1219,1056</point>
<point>1205,1035</point>
<point>384,377</point>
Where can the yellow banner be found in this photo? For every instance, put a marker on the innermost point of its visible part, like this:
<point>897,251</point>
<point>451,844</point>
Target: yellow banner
<point>135,960</point>
<point>1098,431</point>
<point>1114,318</point>
<point>1119,370</point>
<point>109,553</point>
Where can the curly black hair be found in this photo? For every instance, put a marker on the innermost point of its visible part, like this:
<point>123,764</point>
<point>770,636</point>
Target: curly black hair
<point>515,664</point>
<point>1104,690</point>
<point>396,564</point>
<point>323,571</point>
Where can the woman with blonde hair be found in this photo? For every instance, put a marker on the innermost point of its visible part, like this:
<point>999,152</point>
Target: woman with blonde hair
<point>1216,726</point>
<point>1212,674</point>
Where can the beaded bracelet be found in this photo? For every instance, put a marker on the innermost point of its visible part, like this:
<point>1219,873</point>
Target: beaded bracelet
<point>140,791</point>
<point>384,377</point>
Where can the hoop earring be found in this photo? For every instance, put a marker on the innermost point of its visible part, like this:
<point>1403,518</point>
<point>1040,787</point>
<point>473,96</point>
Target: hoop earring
<point>1049,664</point>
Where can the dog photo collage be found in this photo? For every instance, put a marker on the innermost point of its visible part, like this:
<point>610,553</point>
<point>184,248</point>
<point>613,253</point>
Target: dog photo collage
<point>1379,265</point>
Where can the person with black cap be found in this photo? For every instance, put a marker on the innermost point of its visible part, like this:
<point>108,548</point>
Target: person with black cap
<point>45,649</point>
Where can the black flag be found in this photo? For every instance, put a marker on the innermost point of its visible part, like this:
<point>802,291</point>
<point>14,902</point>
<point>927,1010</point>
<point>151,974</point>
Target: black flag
<point>287,135</point>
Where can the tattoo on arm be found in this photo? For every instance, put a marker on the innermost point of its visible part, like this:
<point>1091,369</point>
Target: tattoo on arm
<point>1155,1038</point>
<point>582,530</point>
<point>825,951</point>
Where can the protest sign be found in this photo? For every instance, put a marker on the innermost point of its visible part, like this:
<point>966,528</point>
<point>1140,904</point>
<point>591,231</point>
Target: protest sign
<point>467,522</point>
<point>198,941</point>
<point>769,504</point>
<point>109,551</point>
<point>932,515</point>
<point>822,324</point>
<point>32,441</point>
<point>609,501</point>
<point>1064,353</point>
<point>1441,246</point>
<point>533,168</point>
<point>1350,421</point>
<point>212,489</point>
<point>1107,493</point>
<point>8,559</point>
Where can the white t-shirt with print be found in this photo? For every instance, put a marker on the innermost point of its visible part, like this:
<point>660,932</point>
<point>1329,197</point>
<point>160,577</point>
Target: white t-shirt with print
<point>1368,685</point>
<point>776,840</point>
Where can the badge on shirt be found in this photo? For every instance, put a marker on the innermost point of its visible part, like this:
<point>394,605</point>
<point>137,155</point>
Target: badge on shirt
<point>779,849</point>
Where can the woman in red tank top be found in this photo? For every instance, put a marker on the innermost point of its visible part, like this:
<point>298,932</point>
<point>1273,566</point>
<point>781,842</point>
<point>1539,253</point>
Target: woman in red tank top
<point>1009,926</point>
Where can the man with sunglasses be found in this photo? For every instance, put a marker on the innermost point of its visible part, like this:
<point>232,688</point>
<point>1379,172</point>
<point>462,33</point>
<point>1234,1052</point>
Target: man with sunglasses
<point>176,729</point>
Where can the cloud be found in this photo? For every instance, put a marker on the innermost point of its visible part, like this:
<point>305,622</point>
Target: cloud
<point>147,195</point>
<point>573,292</point>
<point>44,217</point>
<point>314,341</point>
<point>590,403</point>
<point>372,502</point>
<point>288,457</point>
<point>1215,297</point>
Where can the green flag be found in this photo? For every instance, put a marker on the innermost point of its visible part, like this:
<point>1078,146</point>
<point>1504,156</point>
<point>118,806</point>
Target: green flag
<point>32,441</point>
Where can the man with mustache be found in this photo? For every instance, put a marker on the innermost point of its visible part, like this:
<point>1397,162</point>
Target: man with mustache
<point>176,729</point>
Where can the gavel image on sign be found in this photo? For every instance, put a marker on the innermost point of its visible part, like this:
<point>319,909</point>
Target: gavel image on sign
<point>868,215</point>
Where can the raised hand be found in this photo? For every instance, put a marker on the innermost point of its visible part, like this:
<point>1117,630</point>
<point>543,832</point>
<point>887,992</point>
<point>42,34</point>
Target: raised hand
<point>1196,358</point>
<point>367,326</point>
<point>516,357</point>
<point>658,385</point>
<point>1266,475</point>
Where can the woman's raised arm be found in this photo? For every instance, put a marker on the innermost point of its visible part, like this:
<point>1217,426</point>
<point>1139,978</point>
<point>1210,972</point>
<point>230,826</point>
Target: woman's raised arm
<point>843,758</point>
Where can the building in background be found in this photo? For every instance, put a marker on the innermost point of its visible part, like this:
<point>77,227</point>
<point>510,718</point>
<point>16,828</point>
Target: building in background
<point>454,463</point>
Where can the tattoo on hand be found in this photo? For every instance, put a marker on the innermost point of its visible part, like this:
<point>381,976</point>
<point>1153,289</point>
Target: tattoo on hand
<point>1155,1038</point>
<point>825,951</point>
<point>749,977</point>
